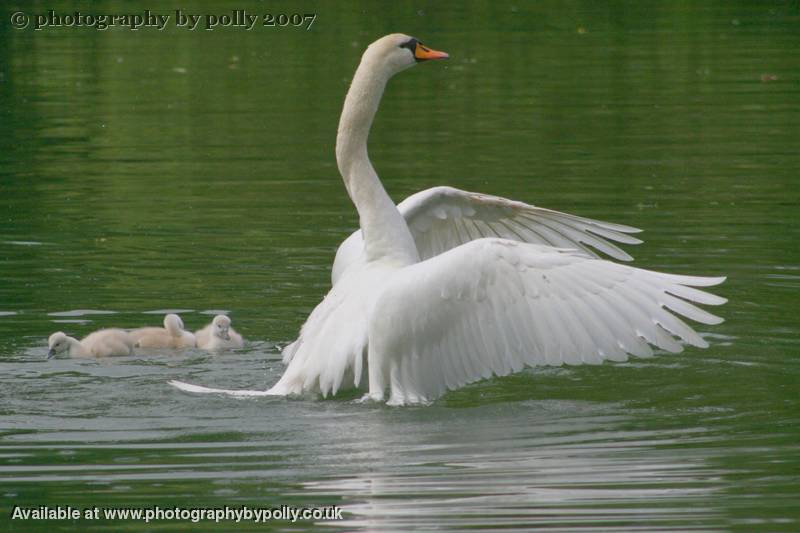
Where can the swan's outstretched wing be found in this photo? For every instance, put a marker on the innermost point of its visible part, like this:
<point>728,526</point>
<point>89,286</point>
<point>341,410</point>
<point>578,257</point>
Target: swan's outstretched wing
<point>493,306</point>
<point>442,218</point>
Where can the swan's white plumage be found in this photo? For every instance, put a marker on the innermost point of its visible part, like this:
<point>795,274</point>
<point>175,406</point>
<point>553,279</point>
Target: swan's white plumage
<point>172,335</point>
<point>197,389</point>
<point>101,343</point>
<point>442,218</point>
<point>457,286</point>
<point>337,327</point>
<point>493,306</point>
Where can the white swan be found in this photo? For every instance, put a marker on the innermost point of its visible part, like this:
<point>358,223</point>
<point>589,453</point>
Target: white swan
<point>458,286</point>
<point>172,335</point>
<point>218,335</point>
<point>101,343</point>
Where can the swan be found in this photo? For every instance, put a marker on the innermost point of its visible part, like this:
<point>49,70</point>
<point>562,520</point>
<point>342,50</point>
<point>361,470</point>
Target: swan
<point>218,335</point>
<point>172,335</point>
<point>451,286</point>
<point>101,343</point>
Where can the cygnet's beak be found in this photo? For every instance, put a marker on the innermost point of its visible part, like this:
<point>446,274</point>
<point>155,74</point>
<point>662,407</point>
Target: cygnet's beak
<point>423,53</point>
<point>51,353</point>
<point>225,334</point>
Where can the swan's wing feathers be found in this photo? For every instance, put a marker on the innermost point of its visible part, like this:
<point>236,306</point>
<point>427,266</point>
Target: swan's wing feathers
<point>493,306</point>
<point>198,389</point>
<point>442,218</point>
<point>329,353</point>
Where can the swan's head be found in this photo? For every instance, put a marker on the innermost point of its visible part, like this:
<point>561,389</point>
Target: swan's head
<point>220,326</point>
<point>57,343</point>
<point>173,323</point>
<point>397,52</point>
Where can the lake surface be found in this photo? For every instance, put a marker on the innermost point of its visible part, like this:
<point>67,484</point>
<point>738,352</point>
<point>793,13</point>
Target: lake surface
<point>146,171</point>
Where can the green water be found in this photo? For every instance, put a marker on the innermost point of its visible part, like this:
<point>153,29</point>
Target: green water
<point>145,171</point>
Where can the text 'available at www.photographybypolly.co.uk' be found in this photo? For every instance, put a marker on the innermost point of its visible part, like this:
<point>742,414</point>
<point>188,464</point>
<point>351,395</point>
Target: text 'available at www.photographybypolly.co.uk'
<point>285,513</point>
<point>147,19</point>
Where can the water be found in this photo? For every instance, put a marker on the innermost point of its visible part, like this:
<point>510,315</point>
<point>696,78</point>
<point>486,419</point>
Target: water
<point>143,172</point>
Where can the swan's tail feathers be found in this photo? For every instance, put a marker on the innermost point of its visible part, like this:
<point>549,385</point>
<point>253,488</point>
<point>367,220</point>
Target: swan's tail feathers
<point>289,351</point>
<point>197,389</point>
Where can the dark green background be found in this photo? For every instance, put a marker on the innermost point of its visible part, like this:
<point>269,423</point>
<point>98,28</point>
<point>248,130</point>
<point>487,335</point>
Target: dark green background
<point>142,171</point>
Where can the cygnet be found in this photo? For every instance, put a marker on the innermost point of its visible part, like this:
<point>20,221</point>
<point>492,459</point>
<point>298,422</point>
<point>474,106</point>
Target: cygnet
<point>172,335</point>
<point>101,343</point>
<point>218,335</point>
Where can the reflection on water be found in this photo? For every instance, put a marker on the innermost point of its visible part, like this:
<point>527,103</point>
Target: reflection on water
<point>140,175</point>
<point>529,463</point>
<point>549,472</point>
<point>544,451</point>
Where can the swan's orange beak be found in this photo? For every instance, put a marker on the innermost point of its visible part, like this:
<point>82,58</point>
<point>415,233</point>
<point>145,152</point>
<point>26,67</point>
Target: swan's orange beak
<point>423,53</point>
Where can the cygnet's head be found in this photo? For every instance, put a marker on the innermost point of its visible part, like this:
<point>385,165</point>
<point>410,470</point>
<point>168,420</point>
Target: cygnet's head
<point>57,343</point>
<point>397,52</point>
<point>220,326</point>
<point>173,323</point>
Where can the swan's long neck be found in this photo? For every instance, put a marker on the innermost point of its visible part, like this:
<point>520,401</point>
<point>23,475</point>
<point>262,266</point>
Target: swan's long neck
<point>385,232</point>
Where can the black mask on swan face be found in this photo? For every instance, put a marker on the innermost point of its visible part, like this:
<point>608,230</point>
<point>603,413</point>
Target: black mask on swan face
<point>396,52</point>
<point>422,52</point>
